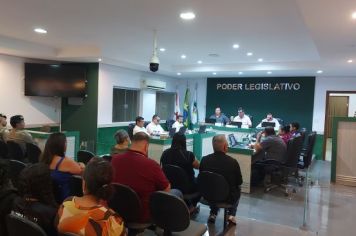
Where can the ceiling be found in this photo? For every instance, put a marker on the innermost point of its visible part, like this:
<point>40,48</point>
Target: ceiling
<point>294,37</point>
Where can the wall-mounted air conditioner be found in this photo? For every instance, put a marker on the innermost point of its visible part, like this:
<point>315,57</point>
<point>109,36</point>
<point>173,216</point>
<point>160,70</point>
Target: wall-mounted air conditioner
<point>153,84</point>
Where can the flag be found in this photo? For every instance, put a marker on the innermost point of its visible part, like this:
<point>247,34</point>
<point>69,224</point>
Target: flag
<point>176,107</point>
<point>186,109</point>
<point>195,118</point>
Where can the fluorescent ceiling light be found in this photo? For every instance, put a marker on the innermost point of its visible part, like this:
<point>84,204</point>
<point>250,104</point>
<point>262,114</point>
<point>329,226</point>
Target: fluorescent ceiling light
<point>214,73</point>
<point>249,54</point>
<point>260,60</point>
<point>350,61</point>
<point>199,62</point>
<point>179,73</point>
<point>187,15</point>
<point>40,31</point>
<point>240,73</point>
<point>235,46</point>
<point>183,56</point>
<point>269,72</point>
<point>319,72</point>
<point>162,49</point>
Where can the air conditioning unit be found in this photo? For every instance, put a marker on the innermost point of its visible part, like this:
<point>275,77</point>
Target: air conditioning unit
<point>153,84</point>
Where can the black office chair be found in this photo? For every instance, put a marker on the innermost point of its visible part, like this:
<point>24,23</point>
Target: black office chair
<point>146,123</point>
<point>84,156</point>
<point>33,153</point>
<point>127,204</point>
<point>75,185</point>
<point>3,150</point>
<point>215,190</point>
<point>130,129</point>
<point>17,225</point>
<point>307,156</point>
<point>107,158</point>
<point>179,180</point>
<point>15,151</point>
<point>172,215</point>
<point>15,168</point>
<point>169,124</point>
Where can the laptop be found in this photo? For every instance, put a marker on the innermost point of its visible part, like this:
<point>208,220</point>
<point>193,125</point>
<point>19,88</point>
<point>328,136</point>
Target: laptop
<point>172,131</point>
<point>202,129</point>
<point>182,130</point>
<point>268,124</point>
<point>236,123</point>
<point>210,121</point>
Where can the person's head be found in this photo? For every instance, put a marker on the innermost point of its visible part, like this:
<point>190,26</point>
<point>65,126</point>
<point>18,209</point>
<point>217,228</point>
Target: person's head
<point>35,182</point>
<point>56,145</point>
<point>269,131</point>
<point>17,122</point>
<point>179,141</point>
<point>180,118</point>
<point>284,129</point>
<point>122,137</point>
<point>218,111</point>
<point>3,121</point>
<point>240,112</point>
<point>140,142</point>
<point>269,117</point>
<point>97,178</point>
<point>220,143</point>
<point>4,173</point>
<point>294,126</point>
<point>140,121</point>
<point>155,119</point>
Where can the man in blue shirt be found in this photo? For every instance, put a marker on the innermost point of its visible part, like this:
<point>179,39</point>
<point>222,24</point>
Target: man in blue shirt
<point>220,117</point>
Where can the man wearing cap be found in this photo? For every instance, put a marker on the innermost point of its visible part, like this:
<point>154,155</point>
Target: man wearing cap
<point>18,134</point>
<point>3,128</point>
<point>244,119</point>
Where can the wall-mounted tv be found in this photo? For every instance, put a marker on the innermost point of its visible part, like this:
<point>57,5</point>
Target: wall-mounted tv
<point>59,80</point>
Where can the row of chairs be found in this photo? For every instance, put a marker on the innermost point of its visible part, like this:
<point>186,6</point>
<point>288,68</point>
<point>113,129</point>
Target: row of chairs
<point>12,150</point>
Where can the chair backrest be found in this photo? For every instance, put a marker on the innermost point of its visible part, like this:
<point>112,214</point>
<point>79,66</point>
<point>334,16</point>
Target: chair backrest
<point>130,129</point>
<point>169,124</point>
<point>3,150</point>
<point>125,202</point>
<point>84,156</point>
<point>15,168</point>
<point>169,212</point>
<point>213,186</point>
<point>75,185</point>
<point>293,151</point>
<point>107,158</point>
<point>14,151</point>
<point>177,177</point>
<point>17,225</point>
<point>33,152</point>
<point>310,146</point>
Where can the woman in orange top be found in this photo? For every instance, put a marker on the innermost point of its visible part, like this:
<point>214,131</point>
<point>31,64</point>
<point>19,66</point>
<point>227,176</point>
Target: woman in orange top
<point>88,215</point>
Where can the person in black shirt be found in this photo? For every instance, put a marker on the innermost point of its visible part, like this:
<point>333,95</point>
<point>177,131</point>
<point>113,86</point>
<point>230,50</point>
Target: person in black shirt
<point>178,155</point>
<point>220,163</point>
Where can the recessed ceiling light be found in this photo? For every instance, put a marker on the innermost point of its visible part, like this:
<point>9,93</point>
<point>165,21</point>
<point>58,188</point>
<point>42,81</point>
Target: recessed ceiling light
<point>240,72</point>
<point>269,72</point>
<point>179,73</point>
<point>40,31</point>
<point>187,15</point>
<point>214,73</point>
<point>235,46</point>
<point>199,62</point>
<point>354,15</point>
<point>319,71</point>
<point>183,56</point>
<point>162,49</point>
<point>249,54</point>
<point>260,60</point>
<point>350,61</point>
<point>99,59</point>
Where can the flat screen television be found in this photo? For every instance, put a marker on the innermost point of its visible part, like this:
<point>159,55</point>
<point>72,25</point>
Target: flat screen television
<point>62,80</point>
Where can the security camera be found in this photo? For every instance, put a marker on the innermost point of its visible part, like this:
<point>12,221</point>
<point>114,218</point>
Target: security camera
<point>154,63</point>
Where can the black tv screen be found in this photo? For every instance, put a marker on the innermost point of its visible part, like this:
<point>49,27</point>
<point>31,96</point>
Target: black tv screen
<point>62,80</point>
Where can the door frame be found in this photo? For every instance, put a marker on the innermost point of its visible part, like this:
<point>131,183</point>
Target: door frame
<point>328,92</point>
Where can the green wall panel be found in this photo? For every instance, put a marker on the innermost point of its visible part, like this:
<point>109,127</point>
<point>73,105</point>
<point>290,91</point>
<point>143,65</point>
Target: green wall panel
<point>288,98</point>
<point>318,147</point>
<point>106,139</point>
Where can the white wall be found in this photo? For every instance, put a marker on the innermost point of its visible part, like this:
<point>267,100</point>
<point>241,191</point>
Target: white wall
<point>323,84</point>
<point>36,110</point>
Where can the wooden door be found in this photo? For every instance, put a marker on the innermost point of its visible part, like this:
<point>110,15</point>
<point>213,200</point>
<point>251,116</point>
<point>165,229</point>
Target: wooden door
<point>338,106</point>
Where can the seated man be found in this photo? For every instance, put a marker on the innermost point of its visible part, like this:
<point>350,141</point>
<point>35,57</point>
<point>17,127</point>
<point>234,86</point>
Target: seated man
<point>3,128</point>
<point>18,134</point>
<point>140,125</point>
<point>178,124</point>
<point>220,117</point>
<point>270,119</point>
<point>294,129</point>
<point>222,164</point>
<point>139,172</point>
<point>154,128</point>
<point>244,119</point>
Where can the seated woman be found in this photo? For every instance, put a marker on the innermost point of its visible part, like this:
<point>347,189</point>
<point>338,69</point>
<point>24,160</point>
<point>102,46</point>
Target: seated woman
<point>37,203</point>
<point>62,167</point>
<point>122,142</point>
<point>284,133</point>
<point>178,155</point>
<point>87,215</point>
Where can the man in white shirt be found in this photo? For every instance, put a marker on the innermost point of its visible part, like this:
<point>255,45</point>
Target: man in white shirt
<point>154,128</point>
<point>178,124</point>
<point>270,119</point>
<point>139,127</point>
<point>244,119</point>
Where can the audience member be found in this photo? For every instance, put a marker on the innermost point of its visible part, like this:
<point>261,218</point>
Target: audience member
<point>284,133</point>
<point>220,117</point>
<point>154,128</point>
<point>220,163</point>
<point>139,172</point>
<point>18,134</point>
<point>88,215</point>
<point>3,128</point>
<point>61,167</point>
<point>122,142</point>
<point>244,119</point>
<point>37,203</point>
<point>178,155</point>
<point>8,194</point>
<point>140,125</point>
<point>178,124</point>
<point>294,129</point>
<point>269,118</point>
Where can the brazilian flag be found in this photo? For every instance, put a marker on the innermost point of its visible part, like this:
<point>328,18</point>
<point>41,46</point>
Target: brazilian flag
<point>186,109</point>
